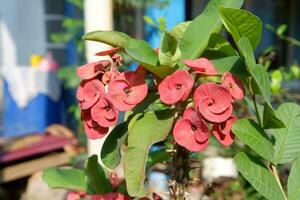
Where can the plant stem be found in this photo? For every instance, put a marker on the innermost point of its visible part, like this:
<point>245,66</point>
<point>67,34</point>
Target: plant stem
<point>276,175</point>
<point>181,169</point>
<point>256,109</point>
<point>254,102</point>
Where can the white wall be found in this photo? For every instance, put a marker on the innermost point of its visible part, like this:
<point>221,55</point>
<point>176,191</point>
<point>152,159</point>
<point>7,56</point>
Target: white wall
<point>22,31</point>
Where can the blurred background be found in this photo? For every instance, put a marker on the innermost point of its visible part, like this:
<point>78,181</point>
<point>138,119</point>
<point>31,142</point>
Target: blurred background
<point>41,46</point>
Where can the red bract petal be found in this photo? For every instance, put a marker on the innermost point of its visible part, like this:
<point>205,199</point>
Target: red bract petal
<point>127,90</point>
<point>86,116</point>
<point>167,95</point>
<point>192,114</point>
<point>95,132</point>
<point>137,94</point>
<point>213,101</point>
<point>234,86</point>
<point>89,92</point>
<point>104,113</point>
<point>91,70</point>
<point>109,52</point>
<point>201,66</point>
<point>175,87</point>
<point>199,127</point>
<point>222,131</point>
<point>184,135</point>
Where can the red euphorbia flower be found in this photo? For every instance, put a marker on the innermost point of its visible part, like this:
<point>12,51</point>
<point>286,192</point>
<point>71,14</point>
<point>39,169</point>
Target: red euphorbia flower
<point>111,196</point>
<point>89,92</point>
<point>201,66</point>
<point>175,87</point>
<point>104,113</point>
<point>234,86</point>
<point>191,131</point>
<point>91,70</point>
<point>127,90</point>
<point>92,129</point>
<point>222,131</point>
<point>213,101</point>
<point>110,76</point>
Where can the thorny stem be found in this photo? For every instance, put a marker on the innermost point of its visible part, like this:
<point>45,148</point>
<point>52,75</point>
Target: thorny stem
<point>180,166</point>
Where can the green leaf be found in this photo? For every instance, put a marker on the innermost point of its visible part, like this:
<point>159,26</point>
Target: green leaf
<point>233,64</point>
<point>68,178</point>
<point>179,29</point>
<point>110,152</point>
<point>197,34</point>
<point>169,53</point>
<point>270,120</point>
<point>294,181</point>
<point>258,176</point>
<point>113,38</point>
<point>141,52</point>
<point>287,140</point>
<point>150,103</point>
<point>240,23</point>
<point>148,129</point>
<point>96,176</point>
<point>246,50</point>
<point>258,72</point>
<point>262,80</point>
<point>218,46</point>
<point>249,132</point>
<point>281,29</point>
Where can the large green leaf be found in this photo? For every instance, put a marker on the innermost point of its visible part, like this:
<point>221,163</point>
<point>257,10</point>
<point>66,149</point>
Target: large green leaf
<point>270,120</point>
<point>218,47</point>
<point>241,23</point>
<point>287,140</point>
<point>68,178</point>
<point>258,72</point>
<point>141,52</point>
<point>113,38</point>
<point>233,64</point>
<point>258,176</point>
<point>169,53</point>
<point>96,176</point>
<point>179,29</point>
<point>149,128</point>
<point>294,181</point>
<point>110,152</point>
<point>246,50</point>
<point>196,36</point>
<point>254,136</point>
<point>262,80</point>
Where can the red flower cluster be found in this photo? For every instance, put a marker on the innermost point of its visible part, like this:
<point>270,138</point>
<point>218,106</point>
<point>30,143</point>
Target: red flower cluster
<point>212,104</point>
<point>104,91</point>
